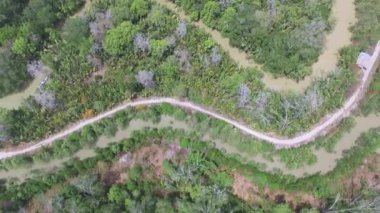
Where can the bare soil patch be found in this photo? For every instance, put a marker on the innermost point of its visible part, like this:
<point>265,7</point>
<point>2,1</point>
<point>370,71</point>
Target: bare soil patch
<point>150,158</point>
<point>97,74</point>
<point>244,189</point>
<point>367,175</point>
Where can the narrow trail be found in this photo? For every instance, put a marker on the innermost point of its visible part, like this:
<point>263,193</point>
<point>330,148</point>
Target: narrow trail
<point>320,129</point>
<point>344,11</point>
<point>82,11</point>
<point>326,161</point>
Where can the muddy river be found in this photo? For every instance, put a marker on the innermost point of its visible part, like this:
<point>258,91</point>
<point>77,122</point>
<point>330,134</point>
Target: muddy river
<point>344,15</point>
<point>325,161</point>
<point>14,100</point>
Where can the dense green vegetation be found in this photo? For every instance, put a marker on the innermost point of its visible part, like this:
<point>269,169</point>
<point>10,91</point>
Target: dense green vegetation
<point>249,147</point>
<point>369,26</point>
<point>285,36</point>
<point>158,55</point>
<point>123,49</point>
<point>203,126</point>
<point>366,32</point>
<point>87,137</point>
<point>205,162</point>
<point>177,190</point>
<point>25,26</point>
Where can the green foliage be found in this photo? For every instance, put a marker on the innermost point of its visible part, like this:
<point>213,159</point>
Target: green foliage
<point>210,13</point>
<point>6,33</point>
<point>23,47</point>
<point>159,48</point>
<point>223,179</point>
<point>140,8</point>
<point>331,141</point>
<point>372,103</point>
<point>227,18</point>
<point>285,44</point>
<point>98,81</point>
<point>135,173</point>
<point>366,34</point>
<point>168,168</point>
<point>75,30</point>
<point>116,194</point>
<point>212,86</point>
<point>303,157</point>
<point>186,189</point>
<point>68,7</point>
<point>13,70</point>
<point>41,13</point>
<point>367,30</point>
<point>119,40</point>
<point>27,24</point>
<point>196,187</point>
<point>283,208</point>
<point>10,11</point>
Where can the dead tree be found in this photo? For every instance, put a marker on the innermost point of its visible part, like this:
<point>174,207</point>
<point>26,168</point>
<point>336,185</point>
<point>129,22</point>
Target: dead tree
<point>261,100</point>
<point>35,68</point>
<point>244,95</point>
<point>314,99</point>
<point>286,119</point>
<point>272,8</point>
<point>141,43</point>
<point>226,3</point>
<point>46,99</point>
<point>181,30</point>
<point>146,78</point>
<point>88,184</point>
<point>99,27</point>
<point>3,133</point>
<point>216,56</point>
<point>184,58</point>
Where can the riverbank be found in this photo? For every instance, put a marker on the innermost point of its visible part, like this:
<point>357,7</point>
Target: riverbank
<point>345,16</point>
<point>15,100</point>
<point>330,121</point>
<point>326,161</point>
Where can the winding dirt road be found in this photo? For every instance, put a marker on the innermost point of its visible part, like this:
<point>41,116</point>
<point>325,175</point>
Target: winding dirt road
<point>320,129</point>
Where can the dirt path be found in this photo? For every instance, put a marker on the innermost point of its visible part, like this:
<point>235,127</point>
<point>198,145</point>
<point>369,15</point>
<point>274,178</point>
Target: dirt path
<point>81,12</point>
<point>322,128</point>
<point>344,11</point>
<point>330,121</point>
<point>326,161</point>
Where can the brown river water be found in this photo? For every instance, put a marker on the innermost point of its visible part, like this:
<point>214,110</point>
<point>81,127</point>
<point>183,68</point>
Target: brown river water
<point>340,36</point>
<point>344,12</point>
<point>14,100</point>
<point>325,163</point>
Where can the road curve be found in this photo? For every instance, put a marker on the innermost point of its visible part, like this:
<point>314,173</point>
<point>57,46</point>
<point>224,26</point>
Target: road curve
<point>320,129</point>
